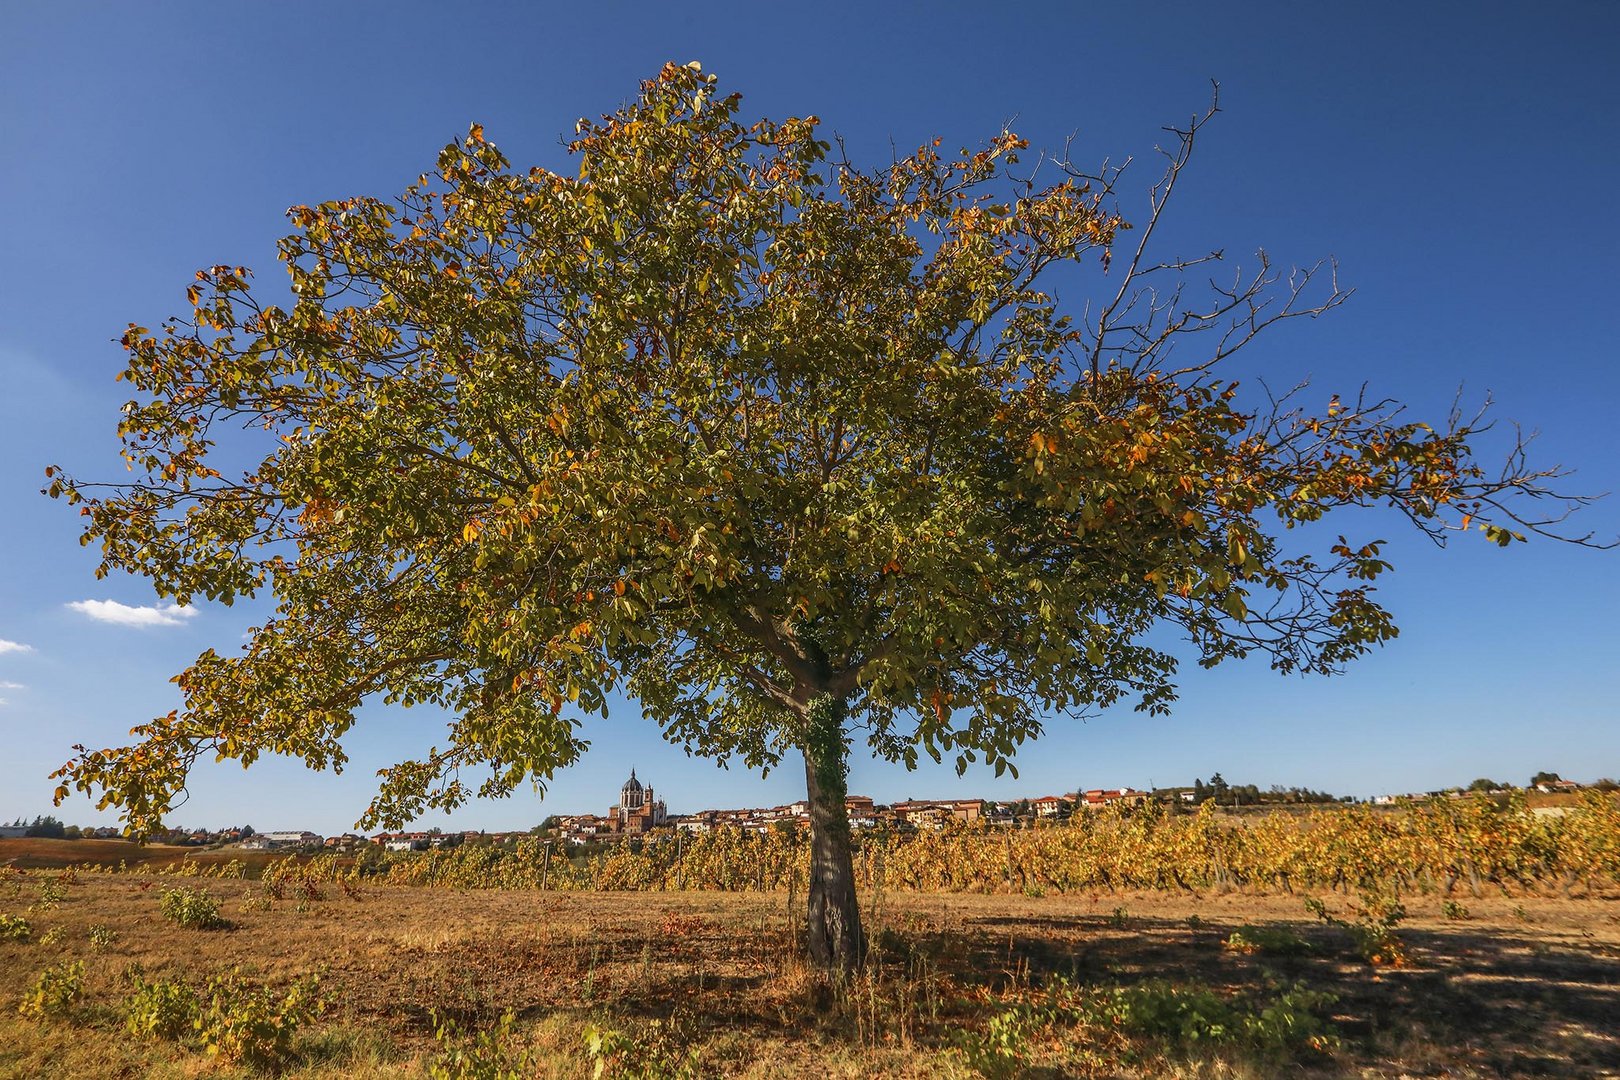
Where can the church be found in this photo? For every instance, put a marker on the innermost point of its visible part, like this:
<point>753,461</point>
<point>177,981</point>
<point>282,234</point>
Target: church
<point>637,812</point>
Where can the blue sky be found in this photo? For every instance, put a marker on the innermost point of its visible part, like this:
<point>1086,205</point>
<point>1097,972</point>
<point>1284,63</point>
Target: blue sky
<point>1457,159</point>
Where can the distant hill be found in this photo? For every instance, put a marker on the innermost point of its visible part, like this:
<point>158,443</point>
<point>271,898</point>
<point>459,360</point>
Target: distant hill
<point>43,853</point>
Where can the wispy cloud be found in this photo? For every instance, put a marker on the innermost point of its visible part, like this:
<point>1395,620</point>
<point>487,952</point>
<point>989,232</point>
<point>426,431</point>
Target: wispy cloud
<point>14,646</point>
<point>4,685</point>
<point>111,611</point>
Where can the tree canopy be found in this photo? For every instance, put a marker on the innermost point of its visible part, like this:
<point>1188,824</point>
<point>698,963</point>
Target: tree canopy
<point>726,423</point>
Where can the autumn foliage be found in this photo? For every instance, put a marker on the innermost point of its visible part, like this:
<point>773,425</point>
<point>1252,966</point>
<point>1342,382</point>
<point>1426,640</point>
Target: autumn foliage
<point>796,454</point>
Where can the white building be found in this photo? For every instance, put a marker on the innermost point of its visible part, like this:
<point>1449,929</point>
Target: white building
<point>267,841</point>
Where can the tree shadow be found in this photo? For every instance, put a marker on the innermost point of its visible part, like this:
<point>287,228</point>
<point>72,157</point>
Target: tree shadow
<point>1512,1003</point>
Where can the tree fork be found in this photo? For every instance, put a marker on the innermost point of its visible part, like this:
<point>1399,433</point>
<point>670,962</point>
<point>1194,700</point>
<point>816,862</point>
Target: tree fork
<point>835,938</point>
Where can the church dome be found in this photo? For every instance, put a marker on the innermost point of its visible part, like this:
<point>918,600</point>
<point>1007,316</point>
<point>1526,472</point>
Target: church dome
<point>630,794</point>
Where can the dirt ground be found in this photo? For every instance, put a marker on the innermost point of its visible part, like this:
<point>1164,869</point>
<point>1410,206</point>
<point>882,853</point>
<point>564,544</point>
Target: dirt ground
<point>1508,987</point>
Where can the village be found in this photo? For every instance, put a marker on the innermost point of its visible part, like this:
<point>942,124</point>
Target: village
<point>639,812</point>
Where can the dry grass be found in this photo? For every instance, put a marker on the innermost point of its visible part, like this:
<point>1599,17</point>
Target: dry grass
<point>714,981</point>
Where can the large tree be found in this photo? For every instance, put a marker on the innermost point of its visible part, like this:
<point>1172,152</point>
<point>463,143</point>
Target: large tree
<point>796,454</point>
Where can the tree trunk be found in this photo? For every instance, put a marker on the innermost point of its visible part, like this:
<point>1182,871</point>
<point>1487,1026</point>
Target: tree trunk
<point>837,943</point>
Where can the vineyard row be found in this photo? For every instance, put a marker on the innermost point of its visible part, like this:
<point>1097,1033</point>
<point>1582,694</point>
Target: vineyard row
<point>1439,846</point>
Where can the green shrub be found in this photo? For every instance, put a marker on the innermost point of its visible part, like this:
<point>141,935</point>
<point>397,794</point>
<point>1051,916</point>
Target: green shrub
<point>1282,1023</point>
<point>165,1009</point>
<point>1289,1021</point>
<point>239,1023</point>
<point>652,1055</point>
<point>54,991</point>
<point>1276,941</point>
<point>15,928</point>
<point>486,1055</point>
<point>102,937</point>
<point>1292,1021</point>
<point>51,893</point>
<point>195,909</point>
<point>1000,1051</point>
<point>1372,928</point>
<point>254,1026</point>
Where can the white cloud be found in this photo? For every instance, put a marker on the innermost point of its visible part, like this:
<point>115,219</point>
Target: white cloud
<point>111,611</point>
<point>4,685</point>
<point>14,646</point>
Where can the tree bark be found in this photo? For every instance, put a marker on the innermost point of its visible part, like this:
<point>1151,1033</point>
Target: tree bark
<point>836,941</point>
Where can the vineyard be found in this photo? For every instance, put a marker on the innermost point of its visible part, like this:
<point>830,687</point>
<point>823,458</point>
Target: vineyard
<point>1442,846</point>
<point>1459,937</point>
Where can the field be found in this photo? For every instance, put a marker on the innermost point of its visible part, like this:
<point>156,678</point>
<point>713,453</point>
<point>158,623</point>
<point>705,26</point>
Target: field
<point>1205,983</point>
<point>43,853</point>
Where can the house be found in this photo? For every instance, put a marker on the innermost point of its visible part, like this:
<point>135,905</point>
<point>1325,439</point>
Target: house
<point>701,822</point>
<point>1097,798</point>
<point>861,811</point>
<point>922,815</point>
<point>1047,806</point>
<point>269,841</point>
<point>410,841</point>
<point>583,828</point>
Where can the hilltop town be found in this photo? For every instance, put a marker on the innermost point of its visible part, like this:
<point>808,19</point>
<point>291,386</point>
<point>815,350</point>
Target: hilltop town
<point>639,812</point>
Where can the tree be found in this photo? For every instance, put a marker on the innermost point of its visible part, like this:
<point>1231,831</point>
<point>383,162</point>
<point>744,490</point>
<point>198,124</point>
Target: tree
<point>1484,784</point>
<point>1545,778</point>
<point>47,826</point>
<point>794,453</point>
